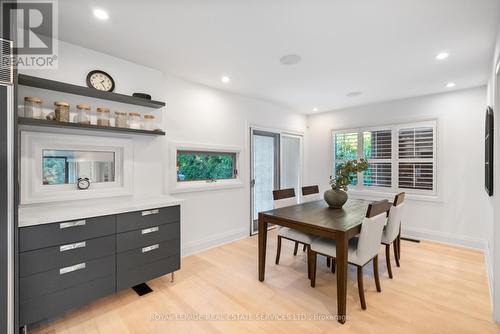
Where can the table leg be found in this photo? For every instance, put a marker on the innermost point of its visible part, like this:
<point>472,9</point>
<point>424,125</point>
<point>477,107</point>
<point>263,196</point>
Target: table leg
<point>262,247</point>
<point>341,261</point>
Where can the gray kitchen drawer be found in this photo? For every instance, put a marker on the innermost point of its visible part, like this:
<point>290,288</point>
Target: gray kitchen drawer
<point>147,218</point>
<point>48,306</point>
<point>41,260</point>
<point>137,275</point>
<point>142,256</point>
<point>47,235</point>
<point>147,236</point>
<point>65,277</point>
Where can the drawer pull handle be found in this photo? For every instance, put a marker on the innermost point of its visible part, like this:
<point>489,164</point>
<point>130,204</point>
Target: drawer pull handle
<point>150,248</point>
<point>150,230</point>
<point>72,224</point>
<point>70,269</point>
<point>150,212</point>
<point>76,245</point>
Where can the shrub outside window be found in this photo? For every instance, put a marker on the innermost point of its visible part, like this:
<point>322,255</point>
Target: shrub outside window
<point>205,166</point>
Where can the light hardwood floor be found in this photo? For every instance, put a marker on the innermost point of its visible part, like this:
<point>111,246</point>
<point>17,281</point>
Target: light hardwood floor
<point>437,289</point>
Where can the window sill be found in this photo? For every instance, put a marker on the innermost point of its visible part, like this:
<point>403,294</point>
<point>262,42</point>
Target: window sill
<point>373,194</point>
<point>196,186</point>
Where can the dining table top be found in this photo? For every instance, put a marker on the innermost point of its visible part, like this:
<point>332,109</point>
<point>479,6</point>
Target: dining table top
<point>317,214</point>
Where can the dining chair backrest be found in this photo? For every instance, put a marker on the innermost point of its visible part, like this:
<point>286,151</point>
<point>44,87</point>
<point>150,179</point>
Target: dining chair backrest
<point>284,197</point>
<point>310,193</point>
<point>395,216</point>
<point>371,231</point>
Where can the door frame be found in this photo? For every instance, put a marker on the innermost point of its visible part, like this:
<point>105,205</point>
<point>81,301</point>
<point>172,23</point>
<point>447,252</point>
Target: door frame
<point>280,133</point>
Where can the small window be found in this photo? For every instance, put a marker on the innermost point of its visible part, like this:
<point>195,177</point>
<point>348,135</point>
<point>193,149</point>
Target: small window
<point>67,166</point>
<point>51,165</point>
<point>205,166</point>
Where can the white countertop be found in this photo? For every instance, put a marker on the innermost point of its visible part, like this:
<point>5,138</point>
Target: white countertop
<point>37,214</point>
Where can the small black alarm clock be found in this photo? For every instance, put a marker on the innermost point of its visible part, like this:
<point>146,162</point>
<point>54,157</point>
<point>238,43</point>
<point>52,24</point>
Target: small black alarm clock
<point>83,183</point>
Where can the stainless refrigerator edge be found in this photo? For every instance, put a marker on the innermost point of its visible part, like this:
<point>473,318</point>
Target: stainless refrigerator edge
<point>6,202</point>
<point>7,197</point>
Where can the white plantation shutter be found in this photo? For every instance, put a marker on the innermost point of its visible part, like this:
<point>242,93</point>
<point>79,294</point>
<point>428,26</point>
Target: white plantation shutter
<point>413,175</point>
<point>377,149</point>
<point>416,158</point>
<point>416,143</point>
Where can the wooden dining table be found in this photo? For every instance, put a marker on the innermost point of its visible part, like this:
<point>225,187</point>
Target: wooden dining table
<point>318,219</point>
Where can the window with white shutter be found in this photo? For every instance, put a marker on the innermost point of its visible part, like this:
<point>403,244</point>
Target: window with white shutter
<point>416,158</point>
<point>377,149</point>
<point>401,157</point>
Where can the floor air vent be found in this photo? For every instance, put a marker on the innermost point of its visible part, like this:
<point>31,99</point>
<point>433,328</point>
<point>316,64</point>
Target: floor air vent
<point>6,68</point>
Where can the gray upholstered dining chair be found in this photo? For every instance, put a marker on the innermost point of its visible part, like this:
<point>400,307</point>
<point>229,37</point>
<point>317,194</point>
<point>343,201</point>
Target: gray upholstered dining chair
<point>283,198</point>
<point>392,230</point>
<point>361,250</point>
<point>310,193</point>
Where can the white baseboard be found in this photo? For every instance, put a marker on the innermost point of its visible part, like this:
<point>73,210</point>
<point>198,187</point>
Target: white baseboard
<point>445,237</point>
<point>196,246</point>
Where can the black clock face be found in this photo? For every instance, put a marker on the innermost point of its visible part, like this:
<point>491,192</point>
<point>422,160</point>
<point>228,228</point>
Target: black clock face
<point>100,80</point>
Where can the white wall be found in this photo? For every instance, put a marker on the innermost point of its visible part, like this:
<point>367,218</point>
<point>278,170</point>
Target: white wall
<point>201,115</point>
<point>194,113</point>
<point>494,239</point>
<point>462,213</point>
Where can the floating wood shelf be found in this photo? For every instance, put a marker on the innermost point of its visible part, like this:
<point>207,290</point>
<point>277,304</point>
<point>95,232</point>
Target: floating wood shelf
<point>55,124</point>
<point>27,80</point>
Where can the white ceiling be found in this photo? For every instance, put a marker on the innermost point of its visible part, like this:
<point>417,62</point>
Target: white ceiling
<point>383,48</point>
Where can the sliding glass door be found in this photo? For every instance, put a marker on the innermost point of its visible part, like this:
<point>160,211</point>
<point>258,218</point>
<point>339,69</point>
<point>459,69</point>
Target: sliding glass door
<point>275,164</point>
<point>265,172</point>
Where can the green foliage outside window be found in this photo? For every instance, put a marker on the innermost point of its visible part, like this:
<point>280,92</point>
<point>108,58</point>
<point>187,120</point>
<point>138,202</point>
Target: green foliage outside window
<point>54,171</point>
<point>193,166</point>
<point>367,153</point>
<point>346,148</point>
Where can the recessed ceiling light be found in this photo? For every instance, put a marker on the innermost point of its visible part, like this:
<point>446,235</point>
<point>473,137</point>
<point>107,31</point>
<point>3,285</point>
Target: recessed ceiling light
<point>225,79</point>
<point>290,59</point>
<point>353,94</point>
<point>101,14</point>
<point>450,85</point>
<point>315,109</point>
<point>442,55</point>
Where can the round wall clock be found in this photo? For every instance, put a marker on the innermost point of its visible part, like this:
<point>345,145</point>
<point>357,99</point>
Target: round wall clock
<point>100,80</point>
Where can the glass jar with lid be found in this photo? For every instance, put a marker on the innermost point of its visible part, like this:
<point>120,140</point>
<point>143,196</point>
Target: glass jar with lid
<point>102,116</point>
<point>134,120</point>
<point>121,119</point>
<point>61,111</point>
<point>82,114</point>
<point>33,107</point>
<point>149,123</point>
